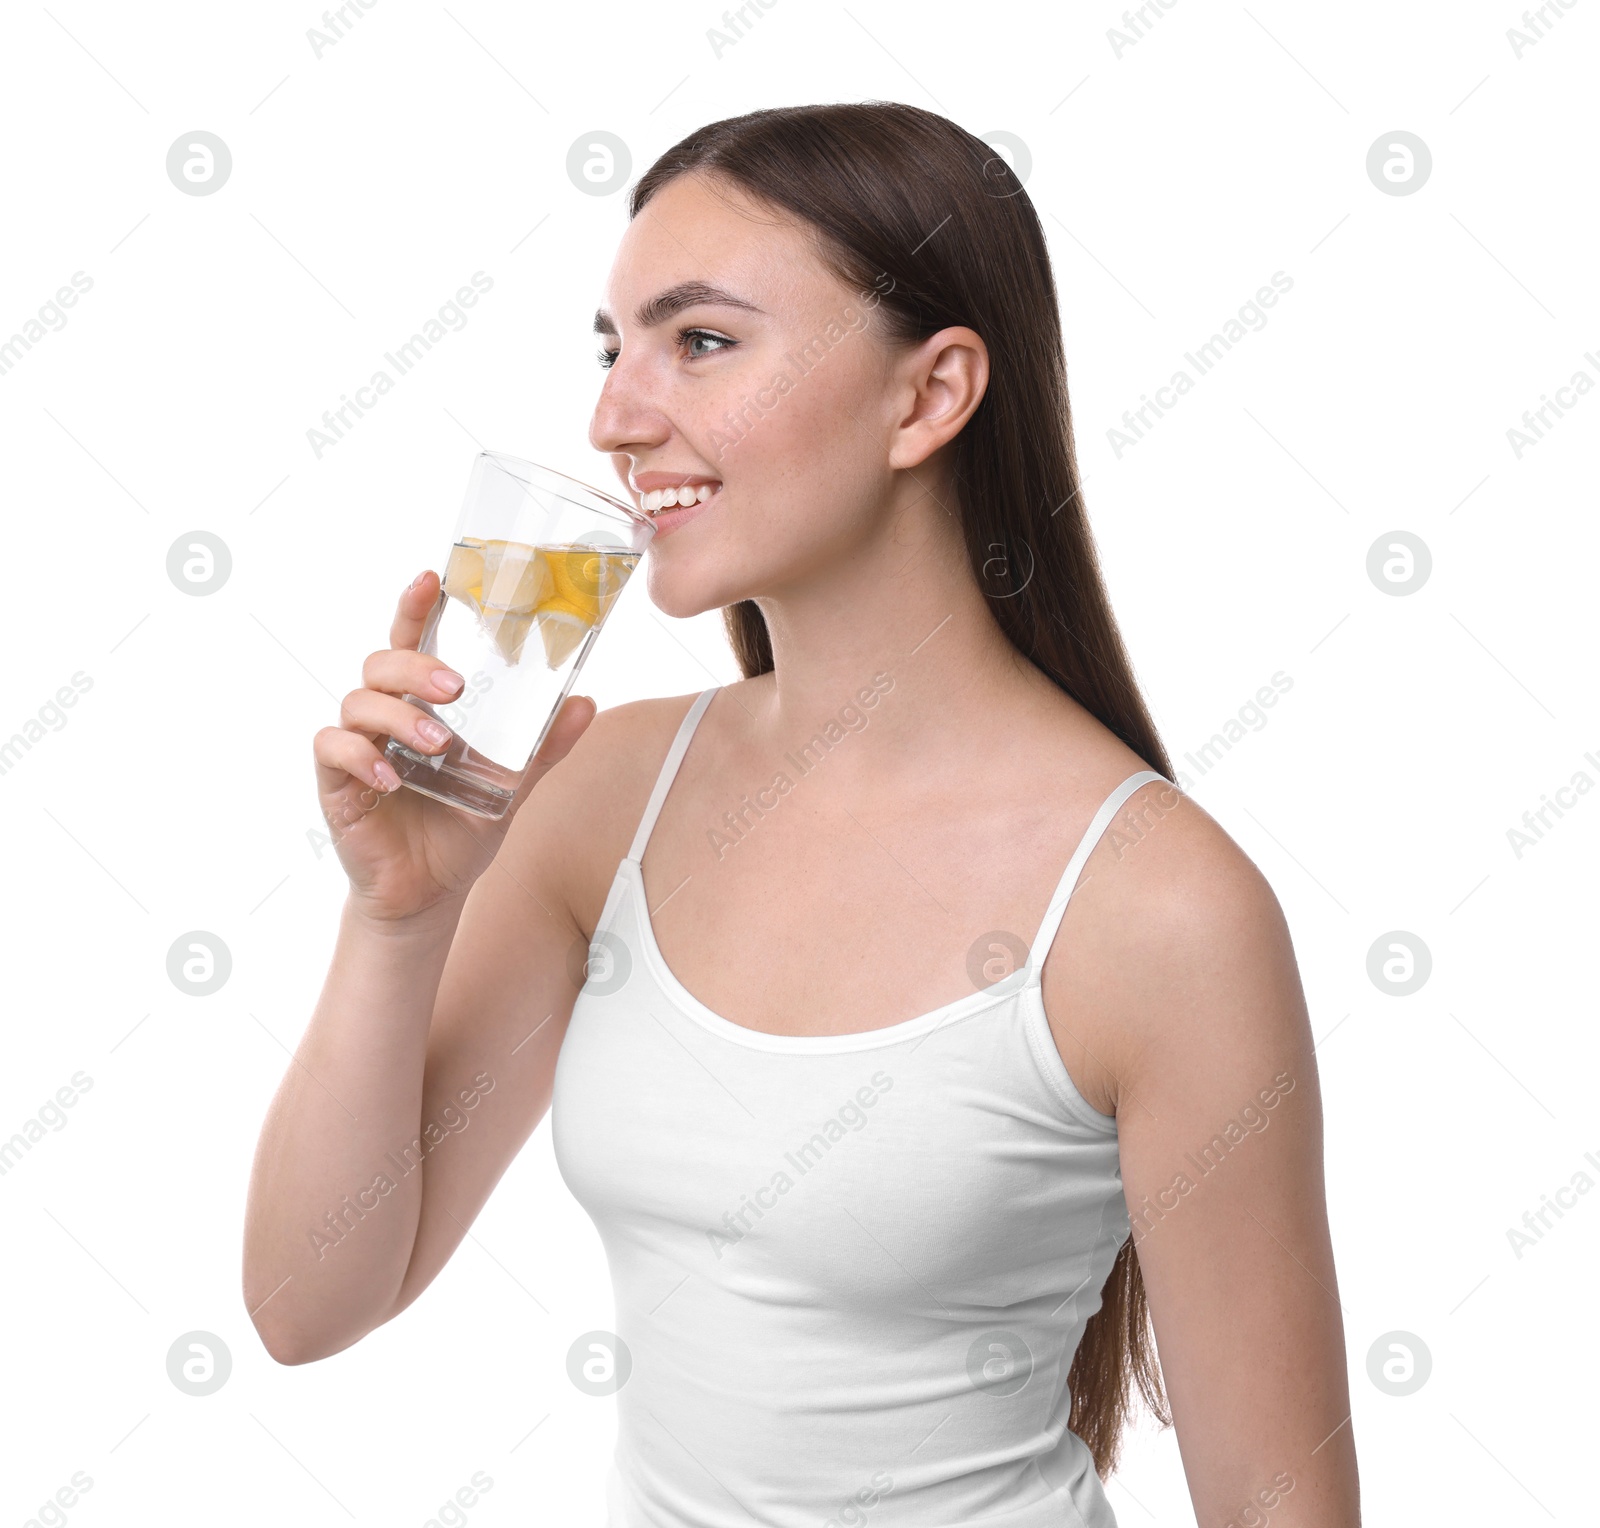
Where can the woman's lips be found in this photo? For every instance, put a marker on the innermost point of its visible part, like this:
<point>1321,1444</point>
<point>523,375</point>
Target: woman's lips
<point>668,520</point>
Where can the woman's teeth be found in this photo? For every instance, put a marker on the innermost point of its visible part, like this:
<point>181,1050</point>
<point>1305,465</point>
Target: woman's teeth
<point>672,498</point>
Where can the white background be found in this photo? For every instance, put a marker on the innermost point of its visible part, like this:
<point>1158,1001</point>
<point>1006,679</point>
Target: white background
<point>1173,180</point>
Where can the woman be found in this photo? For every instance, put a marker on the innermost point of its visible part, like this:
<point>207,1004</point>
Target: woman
<point>883,1188</point>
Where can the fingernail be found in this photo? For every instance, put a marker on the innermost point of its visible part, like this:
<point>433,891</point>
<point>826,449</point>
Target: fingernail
<point>418,579</point>
<point>384,777</point>
<point>448,680</point>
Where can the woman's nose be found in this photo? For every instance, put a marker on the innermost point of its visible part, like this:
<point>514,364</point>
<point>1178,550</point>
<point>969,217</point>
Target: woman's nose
<point>624,419</point>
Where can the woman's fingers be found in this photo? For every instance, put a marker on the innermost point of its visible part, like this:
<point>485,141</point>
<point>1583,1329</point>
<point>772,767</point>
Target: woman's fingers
<point>351,754</point>
<point>404,671</point>
<point>343,757</point>
<point>411,613</point>
<point>377,716</point>
<point>369,716</point>
<point>571,722</point>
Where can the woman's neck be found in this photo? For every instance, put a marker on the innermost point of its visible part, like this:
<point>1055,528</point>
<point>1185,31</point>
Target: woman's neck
<point>900,617</point>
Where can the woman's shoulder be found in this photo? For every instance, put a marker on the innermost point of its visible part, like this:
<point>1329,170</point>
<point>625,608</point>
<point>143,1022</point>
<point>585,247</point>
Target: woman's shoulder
<point>1173,939</point>
<point>585,811</point>
<point>623,748</point>
<point>620,742</point>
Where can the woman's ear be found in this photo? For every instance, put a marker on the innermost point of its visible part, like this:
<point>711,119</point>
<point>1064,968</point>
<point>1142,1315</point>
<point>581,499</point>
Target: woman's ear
<point>943,381</point>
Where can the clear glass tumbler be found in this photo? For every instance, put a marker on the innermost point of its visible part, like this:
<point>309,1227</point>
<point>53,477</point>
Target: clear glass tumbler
<point>538,563</point>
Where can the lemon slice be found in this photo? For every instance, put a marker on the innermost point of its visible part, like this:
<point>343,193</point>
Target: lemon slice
<point>516,577</point>
<point>509,630</point>
<point>514,581</point>
<point>463,574</point>
<point>585,584</point>
<point>562,633</point>
<point>510,586</point>
<point>587,580</point>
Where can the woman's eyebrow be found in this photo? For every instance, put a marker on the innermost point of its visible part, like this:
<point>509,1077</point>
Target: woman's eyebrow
<point>661,307</point>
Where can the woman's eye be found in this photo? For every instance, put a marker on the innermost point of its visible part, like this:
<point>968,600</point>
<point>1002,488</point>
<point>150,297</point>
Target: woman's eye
<point>608,358</point>
<point>689,336</point>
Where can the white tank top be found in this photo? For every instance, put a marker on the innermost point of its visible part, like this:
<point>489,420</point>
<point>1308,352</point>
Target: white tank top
<point>850,1271</point>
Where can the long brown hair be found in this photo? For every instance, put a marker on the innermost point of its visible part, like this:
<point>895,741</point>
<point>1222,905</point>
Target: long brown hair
<point>934,229</point>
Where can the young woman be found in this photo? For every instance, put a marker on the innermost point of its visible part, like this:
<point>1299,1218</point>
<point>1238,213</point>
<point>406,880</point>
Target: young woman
<point>894,1150</point>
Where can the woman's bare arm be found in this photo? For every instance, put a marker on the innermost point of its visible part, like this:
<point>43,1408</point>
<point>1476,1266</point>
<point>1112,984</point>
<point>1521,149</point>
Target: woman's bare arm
<point>428,1062</point>
<point>1183,958</point>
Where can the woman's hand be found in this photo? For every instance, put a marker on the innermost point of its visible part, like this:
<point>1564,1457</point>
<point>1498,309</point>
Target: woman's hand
<point>402,851</point>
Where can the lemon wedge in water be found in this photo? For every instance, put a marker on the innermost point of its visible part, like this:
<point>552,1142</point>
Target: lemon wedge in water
<point>510,586</point>
<point>562,633</point>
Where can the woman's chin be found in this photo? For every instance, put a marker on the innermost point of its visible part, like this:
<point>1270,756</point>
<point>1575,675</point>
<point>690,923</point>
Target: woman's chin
<point>680,595</point>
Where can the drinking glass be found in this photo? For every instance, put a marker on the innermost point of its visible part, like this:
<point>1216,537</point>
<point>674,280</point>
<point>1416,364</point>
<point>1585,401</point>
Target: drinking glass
<point>538,563</point>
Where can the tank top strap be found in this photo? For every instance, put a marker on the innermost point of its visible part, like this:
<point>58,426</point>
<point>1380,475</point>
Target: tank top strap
<point>1069,877</point>
<point>669,769</point>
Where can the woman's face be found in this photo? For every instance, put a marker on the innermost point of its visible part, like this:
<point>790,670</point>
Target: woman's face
<point>738,360</point>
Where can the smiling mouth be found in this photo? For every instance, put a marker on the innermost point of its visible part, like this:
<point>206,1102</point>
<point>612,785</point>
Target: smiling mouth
<point>658,500</point>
